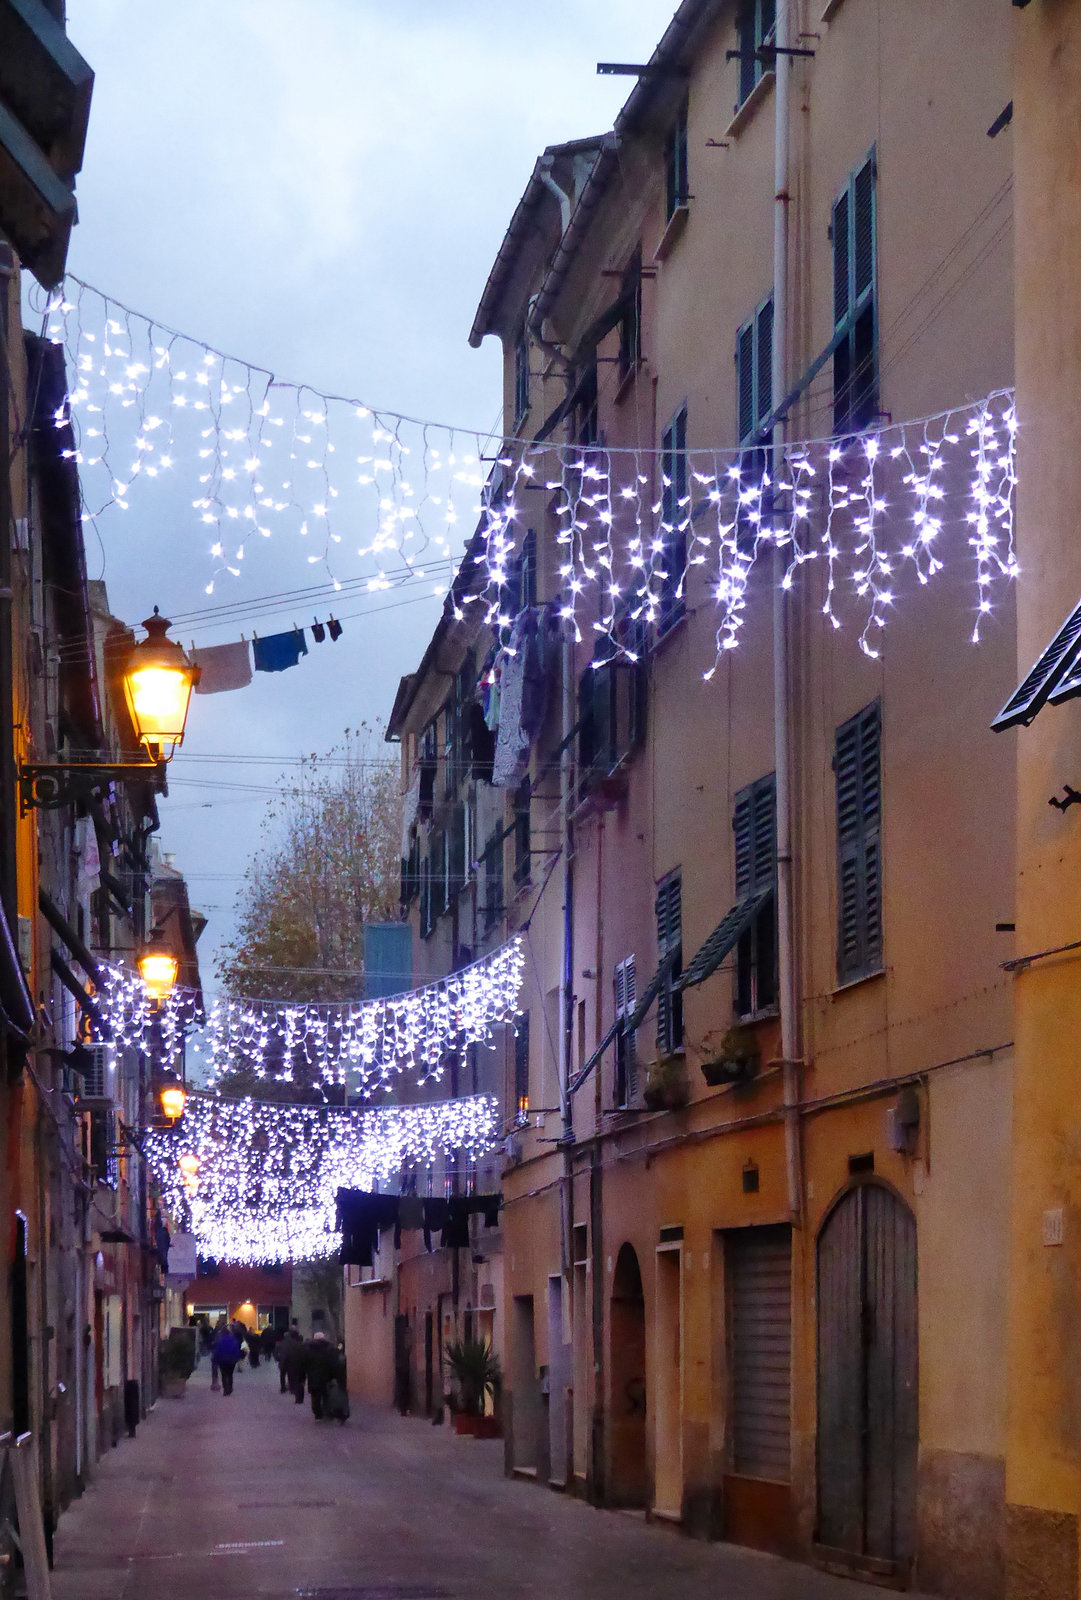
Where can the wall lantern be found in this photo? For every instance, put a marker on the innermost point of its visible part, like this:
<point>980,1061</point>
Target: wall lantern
<point>158,968</point>
<point>173,1096</point>
<point>158,680</point>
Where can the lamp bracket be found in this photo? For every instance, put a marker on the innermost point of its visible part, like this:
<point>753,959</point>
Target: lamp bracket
<point>51,785</point>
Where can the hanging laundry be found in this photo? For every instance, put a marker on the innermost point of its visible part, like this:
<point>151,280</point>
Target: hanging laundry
<point>334,628</point>
<point>222,667</point>
<point>536,674</point>
<point>511,745</point>
<point>361,1217</point>
<point>319,632</point>
<point>279,651</point>
<point>481,742</point>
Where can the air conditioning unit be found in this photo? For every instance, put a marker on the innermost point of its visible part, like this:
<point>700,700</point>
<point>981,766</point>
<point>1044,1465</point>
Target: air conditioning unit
<point>97,1066</point>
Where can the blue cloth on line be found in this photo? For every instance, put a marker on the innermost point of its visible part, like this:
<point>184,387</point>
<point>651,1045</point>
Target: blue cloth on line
<point>279,651</point>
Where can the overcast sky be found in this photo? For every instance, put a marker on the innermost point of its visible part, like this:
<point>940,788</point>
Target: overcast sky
<point>320,187</point>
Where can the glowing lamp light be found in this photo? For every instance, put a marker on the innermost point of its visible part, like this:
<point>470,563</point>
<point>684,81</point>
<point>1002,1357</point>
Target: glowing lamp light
<point>173,1097</point>
<point>189,1165</point>
<point>158,681</point>
<point>158,968</point>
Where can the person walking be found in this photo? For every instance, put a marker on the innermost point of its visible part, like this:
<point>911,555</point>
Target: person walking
<point>322,1364</point>
<point>226,1354</point>
<point>290,1357</point>
<point>268,1341</point>
<point>255,1344</point>
<point>221,1326</point>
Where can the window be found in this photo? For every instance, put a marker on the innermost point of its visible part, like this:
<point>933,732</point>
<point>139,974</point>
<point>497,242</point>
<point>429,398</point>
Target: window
<point>521,1064</point>
<point>754,824</point>
<point>611,718</point>
<point>675,164</point>
<point>669,912</point>
<point>427,922</point>
<point>857,768</point>
<point>754,27</point>
<point>584,414</point>
<point>675,520</point>
<point>522,845</point>
<point>626,995</point>
<point>630,322</point>
<point>493,881</point>
<point>521,375</point>
<point>754,372</point>
<point>855,361</point>
<point>438,875</point>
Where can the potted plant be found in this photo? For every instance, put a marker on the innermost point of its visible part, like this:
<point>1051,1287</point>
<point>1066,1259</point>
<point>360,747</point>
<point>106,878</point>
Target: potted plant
<point>176,1362</point>
<point>737,1059</point>
<point>666,1087</point>
<point>477,1374</point>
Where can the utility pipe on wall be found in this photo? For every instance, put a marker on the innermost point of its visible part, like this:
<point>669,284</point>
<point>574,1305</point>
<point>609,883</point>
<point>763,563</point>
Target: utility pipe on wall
<point>782,711</point>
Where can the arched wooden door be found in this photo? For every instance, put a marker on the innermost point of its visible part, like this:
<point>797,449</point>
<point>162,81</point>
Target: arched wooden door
<point>629,1475</point>
<point>868,1402</point>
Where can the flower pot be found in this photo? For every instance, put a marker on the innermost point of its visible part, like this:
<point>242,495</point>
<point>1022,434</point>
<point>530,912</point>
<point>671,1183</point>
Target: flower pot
<point>666,1087</point>
<point>465,1422</point>
<point>488,1428</point>
<point>173,1385</point>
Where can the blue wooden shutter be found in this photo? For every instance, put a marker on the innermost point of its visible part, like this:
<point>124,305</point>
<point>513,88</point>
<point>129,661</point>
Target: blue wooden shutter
<point>669,912</point>
<point>857,768</point>
<point>841,298</point>
<point>745,379</point>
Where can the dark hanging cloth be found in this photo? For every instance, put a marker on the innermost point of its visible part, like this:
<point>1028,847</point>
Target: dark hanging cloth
<point>361,1217</point>
<point>456,1227</point>
<point>435,1216</point>
<point>489,1209</point>
<point>319,632</point>
<point>334,628</point>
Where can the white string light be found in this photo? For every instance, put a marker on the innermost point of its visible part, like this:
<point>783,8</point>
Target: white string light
<point>363,1046</point>
<point>258,1181</point>
<point>263,456</point>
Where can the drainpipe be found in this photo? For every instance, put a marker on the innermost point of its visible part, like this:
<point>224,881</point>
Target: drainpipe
<point>786,921</point>
<point>566,988</point>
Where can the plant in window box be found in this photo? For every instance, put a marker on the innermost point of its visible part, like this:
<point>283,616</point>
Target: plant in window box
<point>738,1058</point>
<point>477,1374</point>
<point>666,1087</point>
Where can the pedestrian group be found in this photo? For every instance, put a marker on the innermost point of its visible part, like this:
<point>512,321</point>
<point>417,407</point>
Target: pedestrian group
<point>314,1364</point>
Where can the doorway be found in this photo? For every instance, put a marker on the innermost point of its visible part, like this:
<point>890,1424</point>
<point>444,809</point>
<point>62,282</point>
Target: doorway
<point>868,1401</point>
<point>629,1477</point>
<point>668,1383</point>
<point>559,1379</point>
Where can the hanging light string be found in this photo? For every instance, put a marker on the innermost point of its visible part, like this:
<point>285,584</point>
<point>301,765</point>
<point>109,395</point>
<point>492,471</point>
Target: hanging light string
<point>257,1181</point>
<point>640,530</point>
<point>362,1046</point>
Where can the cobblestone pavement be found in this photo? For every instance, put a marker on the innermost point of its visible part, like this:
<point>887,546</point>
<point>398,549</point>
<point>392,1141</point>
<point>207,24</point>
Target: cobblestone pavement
<point>231,1499</point>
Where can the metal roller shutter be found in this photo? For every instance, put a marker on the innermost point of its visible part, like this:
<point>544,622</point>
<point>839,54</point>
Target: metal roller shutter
<point>758,1278</point>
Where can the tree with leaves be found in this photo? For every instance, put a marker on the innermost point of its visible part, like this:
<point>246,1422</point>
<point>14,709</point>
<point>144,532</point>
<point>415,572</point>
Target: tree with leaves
<point>329,863</point>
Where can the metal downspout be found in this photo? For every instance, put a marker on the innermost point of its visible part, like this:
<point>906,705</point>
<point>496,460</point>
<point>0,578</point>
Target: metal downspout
<point>786,922</point>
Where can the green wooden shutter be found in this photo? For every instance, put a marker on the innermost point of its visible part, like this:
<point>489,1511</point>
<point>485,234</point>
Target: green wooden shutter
<point>841,256</point>
<point>668,908</point>
<point>857,768</point>
<point>764,362</point>
<point>863,231</point>
<point>745,379</point>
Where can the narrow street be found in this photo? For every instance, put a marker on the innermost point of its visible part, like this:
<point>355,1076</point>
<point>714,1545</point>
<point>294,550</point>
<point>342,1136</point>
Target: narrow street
<point>251,1497</point>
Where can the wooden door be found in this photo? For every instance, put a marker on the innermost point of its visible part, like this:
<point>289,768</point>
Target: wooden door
<point>868,1419</point>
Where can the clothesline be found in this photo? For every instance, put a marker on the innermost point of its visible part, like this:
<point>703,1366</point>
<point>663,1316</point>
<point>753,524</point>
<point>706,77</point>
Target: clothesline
<point>223,667</point>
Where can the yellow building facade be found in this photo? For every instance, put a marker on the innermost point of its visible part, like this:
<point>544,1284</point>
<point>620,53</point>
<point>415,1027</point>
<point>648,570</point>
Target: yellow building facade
<point>1043,1477</point>
<point>755,1264</point>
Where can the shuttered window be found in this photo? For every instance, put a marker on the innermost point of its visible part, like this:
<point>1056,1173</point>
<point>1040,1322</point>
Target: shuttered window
<point>626,998</point>
<point>754,371</point>
<point>675,163</point>
<point>754,27</point>
<point>754,827</point>
<point>669,912</point>
<point>858,772</point>
<point>758,1295</point>
<point>675,520</point>
<point>521,375</point>
<point>521,1063</point>
<point>855,361</point>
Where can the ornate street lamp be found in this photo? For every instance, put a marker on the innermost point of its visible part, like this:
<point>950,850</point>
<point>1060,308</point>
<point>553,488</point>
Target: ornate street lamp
<point>158,968</point>
<point>158,680</point>
<point>173,1096</point>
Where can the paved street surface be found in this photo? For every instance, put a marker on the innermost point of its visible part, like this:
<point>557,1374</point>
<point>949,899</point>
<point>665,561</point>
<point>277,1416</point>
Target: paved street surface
<point>230,1499</point>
